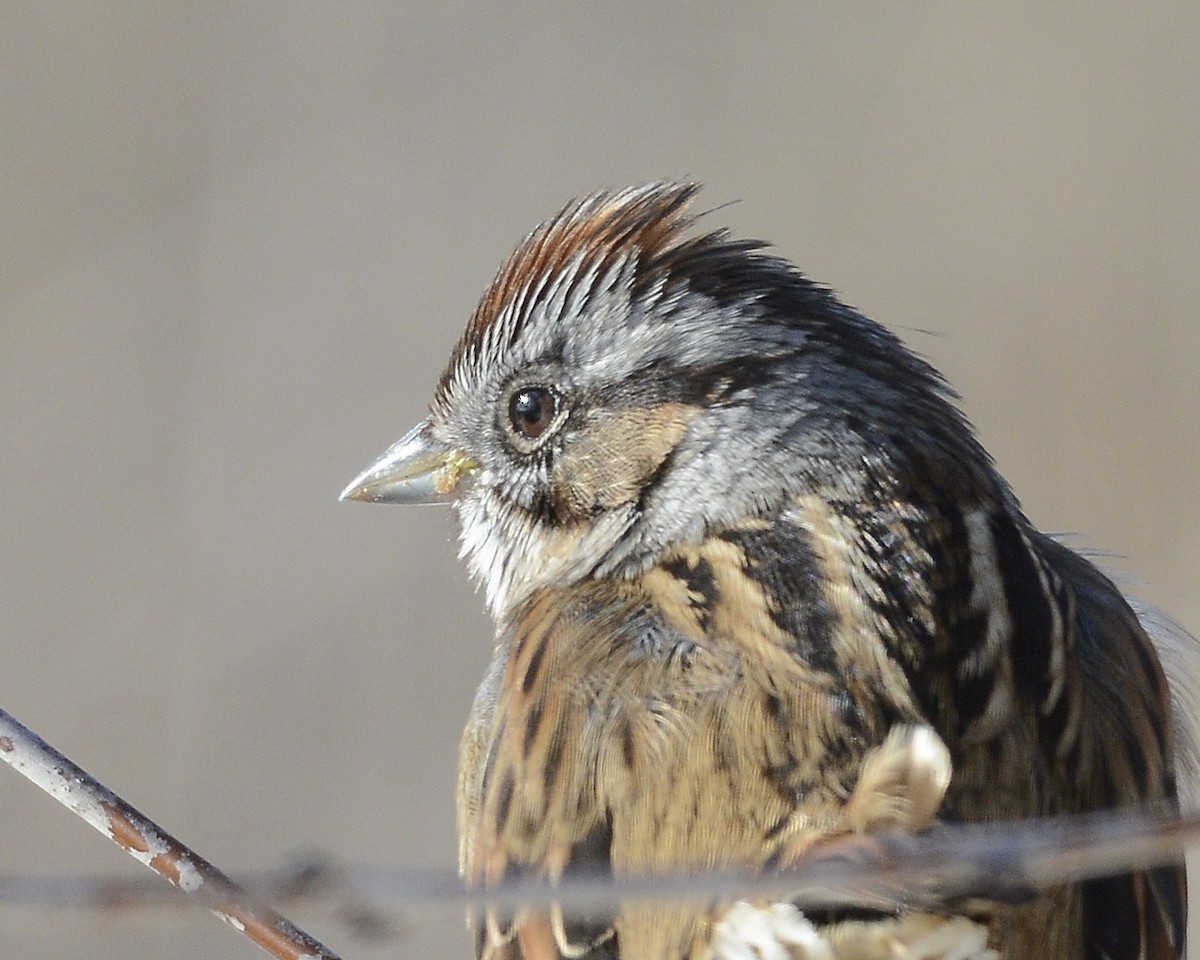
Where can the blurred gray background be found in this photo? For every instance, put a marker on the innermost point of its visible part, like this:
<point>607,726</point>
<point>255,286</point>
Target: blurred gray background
<point>238,240</point>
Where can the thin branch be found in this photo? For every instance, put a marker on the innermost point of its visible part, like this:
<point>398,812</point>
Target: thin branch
<point>933,870</point>
<point>145,841</point>
<point>995,861</point>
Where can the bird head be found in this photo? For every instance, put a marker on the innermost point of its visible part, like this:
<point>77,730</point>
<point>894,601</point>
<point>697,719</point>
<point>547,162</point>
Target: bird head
<point>628,383</point>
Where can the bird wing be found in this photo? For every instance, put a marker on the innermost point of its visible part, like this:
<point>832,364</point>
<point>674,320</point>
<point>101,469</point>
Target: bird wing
<point>1125,759</point>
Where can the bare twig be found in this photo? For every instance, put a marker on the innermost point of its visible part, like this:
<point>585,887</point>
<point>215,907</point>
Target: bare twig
<point>931,870</point>
<point>148,843</point>
<point>996,860</point>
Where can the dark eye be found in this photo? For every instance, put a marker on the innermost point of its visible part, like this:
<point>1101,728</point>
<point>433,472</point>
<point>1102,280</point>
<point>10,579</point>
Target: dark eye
<point>532,410</point>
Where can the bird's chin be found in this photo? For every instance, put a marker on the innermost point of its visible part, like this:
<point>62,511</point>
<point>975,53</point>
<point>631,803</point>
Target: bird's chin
<point>485,549</point>
<point>511,555</point>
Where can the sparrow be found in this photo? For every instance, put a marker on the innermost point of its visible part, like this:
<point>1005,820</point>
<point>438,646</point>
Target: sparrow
<point>757,586</point>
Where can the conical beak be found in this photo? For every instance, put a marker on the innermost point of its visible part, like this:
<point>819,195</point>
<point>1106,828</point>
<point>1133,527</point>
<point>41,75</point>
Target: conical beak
<point>415,469</point>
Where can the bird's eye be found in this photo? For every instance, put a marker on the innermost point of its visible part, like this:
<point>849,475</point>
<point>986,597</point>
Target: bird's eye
<point>531,411</point>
